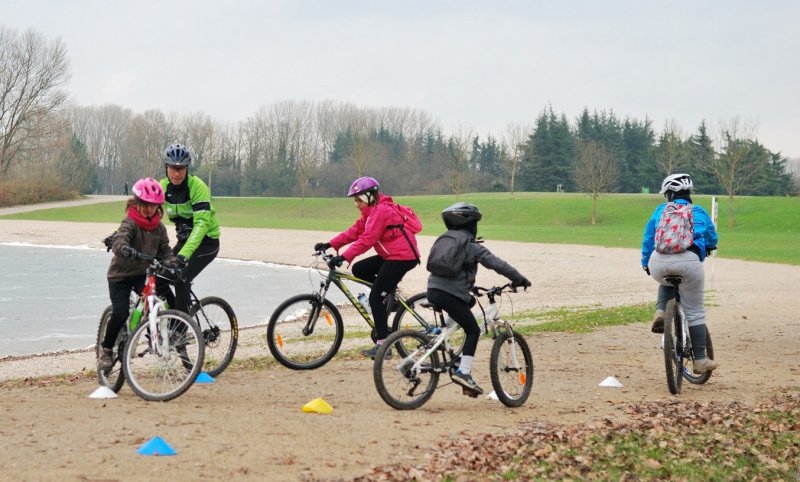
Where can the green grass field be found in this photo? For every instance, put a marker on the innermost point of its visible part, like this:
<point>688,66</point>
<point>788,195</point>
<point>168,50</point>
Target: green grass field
<point>767,228</point>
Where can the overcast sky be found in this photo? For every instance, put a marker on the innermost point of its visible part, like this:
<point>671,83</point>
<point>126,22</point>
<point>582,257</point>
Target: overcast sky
<point>478,64</point>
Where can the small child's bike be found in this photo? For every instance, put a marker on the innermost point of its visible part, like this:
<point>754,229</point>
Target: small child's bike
<point>159,351</point>
<point>407,382</point>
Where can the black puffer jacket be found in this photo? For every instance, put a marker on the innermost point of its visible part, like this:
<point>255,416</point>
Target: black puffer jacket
<point>460,285</point>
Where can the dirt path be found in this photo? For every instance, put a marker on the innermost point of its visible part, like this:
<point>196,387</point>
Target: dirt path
<point>249,423</point>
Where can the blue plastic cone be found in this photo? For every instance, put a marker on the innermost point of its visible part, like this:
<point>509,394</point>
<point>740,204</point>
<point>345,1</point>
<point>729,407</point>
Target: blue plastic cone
<point>204,377</point>
<point>156,446</point>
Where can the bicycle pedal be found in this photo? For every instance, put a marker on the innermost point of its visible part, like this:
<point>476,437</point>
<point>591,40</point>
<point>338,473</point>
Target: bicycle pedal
<point>469,392</point>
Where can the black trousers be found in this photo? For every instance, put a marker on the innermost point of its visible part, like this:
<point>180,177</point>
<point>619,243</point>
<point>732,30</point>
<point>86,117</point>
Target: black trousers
<point>460,312</point>
<point>202,257</point>
<point>120,293</point>
<point>385,276</point>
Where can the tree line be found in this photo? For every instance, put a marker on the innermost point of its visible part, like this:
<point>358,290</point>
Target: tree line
<point>305,148</point>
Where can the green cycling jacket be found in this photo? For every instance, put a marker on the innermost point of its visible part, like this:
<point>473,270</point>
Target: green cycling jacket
<point>189,207</point>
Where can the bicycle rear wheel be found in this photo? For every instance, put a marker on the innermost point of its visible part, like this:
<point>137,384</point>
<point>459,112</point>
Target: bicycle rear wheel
<point>217,321</point>
<point>688,372</point>
<point>166,371</point>
<point>511,369</point>
<point>305,333</point>
<point>405,320</point>
<point>112,377</point>
<point>399,384</point>
<point>673,351</point>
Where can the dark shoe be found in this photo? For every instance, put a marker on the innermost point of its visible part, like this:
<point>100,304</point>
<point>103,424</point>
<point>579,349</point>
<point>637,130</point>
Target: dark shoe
<point>105,360</point>
<point>658,322</point>
<point>374,351</point>
<point>466,381</point>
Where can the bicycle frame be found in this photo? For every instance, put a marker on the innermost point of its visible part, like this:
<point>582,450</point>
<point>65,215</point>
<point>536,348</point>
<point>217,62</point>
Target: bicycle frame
<point>491,320</point>
<point>338,278</point>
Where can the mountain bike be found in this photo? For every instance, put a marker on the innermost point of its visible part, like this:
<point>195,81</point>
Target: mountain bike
<point>306,331</point>
<point>678,354</point>
<point>159,351</point>
<point>409,382</point>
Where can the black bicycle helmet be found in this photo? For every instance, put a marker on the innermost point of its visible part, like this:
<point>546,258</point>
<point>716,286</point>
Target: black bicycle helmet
<point>177,155</point>
<point>460,214</point>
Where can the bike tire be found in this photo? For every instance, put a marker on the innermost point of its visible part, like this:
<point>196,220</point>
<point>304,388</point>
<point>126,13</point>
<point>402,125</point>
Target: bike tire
<point>512,385</point>
<point>398,386</point>
<point>689,375</point>
<point>405,320</point>
<point>296,350</point>
<point>217,321</point>
<point>673,357</point>
<point>160,378</point>
<point>113,377</point>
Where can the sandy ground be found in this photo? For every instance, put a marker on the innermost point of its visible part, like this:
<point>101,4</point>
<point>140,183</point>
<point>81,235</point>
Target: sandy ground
<point>248,424</point>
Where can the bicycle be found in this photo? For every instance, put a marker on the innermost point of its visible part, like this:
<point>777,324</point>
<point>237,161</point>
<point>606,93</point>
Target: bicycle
<point>306,331</point>
<point>678,354</point>
<point>158,350</point>
<point>215,318</point>
<point>408,383</point>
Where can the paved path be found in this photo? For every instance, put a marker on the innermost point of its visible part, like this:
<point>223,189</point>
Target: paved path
<point>91,199</point>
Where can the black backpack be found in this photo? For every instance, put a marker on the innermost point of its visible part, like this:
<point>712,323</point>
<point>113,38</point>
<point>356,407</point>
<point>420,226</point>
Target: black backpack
<point>448,255</point>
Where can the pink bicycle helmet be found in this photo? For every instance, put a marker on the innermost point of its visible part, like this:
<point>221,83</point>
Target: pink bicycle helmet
<point>149,191</point>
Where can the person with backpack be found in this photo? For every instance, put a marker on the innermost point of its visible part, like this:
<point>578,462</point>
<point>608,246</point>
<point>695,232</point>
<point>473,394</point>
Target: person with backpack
<point>453,264</point>
<point>140,232</point>
<point>677,238</point>
<point>389,228</point>
<point>188,205</point>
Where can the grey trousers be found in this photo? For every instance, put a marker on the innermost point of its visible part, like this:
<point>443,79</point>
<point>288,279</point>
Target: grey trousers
<point>688,266</point>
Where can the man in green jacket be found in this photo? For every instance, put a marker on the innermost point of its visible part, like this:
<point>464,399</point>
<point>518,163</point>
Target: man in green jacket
<point>188,205</point>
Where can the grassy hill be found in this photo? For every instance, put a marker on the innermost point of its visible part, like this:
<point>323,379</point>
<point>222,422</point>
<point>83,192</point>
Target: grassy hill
<point>767,228</point>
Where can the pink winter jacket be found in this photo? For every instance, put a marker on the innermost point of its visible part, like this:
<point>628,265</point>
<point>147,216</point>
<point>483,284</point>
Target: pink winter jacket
<point>370,230</point>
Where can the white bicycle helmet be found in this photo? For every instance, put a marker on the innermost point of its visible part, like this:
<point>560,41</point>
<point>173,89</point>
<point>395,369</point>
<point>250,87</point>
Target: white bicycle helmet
<point>676,183</point>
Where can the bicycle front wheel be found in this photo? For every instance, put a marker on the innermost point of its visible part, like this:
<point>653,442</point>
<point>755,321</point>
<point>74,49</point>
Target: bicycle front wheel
<point>305,332</point>
<point>511,369</point>
<point>112,377</point>
<point>167,367</point>
<point>406,320</point>
<point>688,369</point>
<point>673,351</point>
<point>406,382</point>
<point>217,321</point>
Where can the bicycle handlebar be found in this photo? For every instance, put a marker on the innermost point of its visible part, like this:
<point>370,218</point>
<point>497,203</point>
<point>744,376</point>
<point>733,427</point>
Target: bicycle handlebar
<point>494,291</point>
<point>159,267</point>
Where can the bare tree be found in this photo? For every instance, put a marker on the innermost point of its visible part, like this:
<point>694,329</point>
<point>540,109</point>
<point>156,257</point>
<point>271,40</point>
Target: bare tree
<point>669,156</point>
<point>596,172</point>
<point>455,161</point>
<point>516,135</point>
<point>732,166</point>
<point>32,72</point>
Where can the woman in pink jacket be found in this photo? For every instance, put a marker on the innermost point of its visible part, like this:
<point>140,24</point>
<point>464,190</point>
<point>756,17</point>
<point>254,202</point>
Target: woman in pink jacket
<point>382,226</point>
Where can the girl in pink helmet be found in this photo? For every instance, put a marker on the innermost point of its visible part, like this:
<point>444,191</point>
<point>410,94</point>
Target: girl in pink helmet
<point>388,228</point>
<point>141,231</point>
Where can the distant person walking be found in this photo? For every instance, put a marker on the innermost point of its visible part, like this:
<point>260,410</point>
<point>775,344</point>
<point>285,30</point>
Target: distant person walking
<point>126,188</point>
<point>188,205</point>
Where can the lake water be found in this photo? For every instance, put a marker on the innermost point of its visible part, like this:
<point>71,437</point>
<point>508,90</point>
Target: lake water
<point>51,298</point>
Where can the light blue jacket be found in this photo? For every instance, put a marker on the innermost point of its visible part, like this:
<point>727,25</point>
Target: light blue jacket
<point>705,235</point>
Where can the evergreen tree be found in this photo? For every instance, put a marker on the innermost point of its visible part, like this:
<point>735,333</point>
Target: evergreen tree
<point>700,152</point>
<point>639,165</point>
<point>549,155</point>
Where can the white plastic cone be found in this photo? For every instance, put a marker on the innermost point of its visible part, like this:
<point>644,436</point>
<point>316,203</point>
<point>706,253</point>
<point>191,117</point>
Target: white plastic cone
<point>611,382</point>
<point>103,392</point>
<point>492,396</point>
